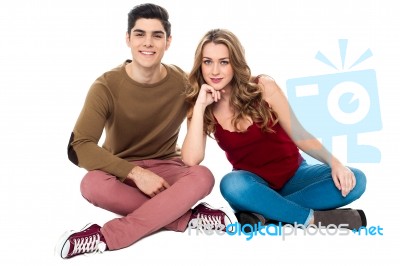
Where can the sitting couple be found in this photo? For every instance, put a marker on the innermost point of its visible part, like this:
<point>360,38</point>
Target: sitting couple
<point>140,174</point>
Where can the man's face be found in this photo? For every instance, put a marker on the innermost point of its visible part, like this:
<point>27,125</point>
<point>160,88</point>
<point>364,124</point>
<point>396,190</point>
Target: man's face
<point>148,42</point>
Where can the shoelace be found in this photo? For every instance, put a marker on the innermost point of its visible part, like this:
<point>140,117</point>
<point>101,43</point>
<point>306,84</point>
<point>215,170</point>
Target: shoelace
<point>88,245</point>
<point>209,222</point>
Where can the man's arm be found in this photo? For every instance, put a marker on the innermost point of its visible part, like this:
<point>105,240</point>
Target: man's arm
<point>83,148</point>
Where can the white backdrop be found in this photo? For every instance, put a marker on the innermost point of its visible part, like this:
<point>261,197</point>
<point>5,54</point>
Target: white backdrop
<point>51,52</point>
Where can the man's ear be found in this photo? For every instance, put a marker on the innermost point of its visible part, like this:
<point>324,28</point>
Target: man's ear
<point>169,40</point>
<point>127,39</point>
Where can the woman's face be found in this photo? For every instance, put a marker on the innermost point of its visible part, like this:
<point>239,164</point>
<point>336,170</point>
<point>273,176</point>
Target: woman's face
<point>216,68</point>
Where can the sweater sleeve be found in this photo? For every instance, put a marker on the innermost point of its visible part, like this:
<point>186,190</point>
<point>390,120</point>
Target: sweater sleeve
<point>83,148</point>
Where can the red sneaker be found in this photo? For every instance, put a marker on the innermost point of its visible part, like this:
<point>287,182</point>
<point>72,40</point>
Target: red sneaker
<point>206,217</point>
<point>88,240</point>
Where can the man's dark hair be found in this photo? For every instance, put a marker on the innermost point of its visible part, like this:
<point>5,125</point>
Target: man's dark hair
<point>149,11</point>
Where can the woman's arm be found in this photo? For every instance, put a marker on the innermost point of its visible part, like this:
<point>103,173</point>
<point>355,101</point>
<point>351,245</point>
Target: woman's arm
<point>194,144</point>
<point>289,122</point>
<point>342,176</point>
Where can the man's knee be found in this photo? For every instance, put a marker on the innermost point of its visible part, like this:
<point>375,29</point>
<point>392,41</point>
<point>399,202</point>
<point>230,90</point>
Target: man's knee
<point>89,183</point>
<point>203,178</point>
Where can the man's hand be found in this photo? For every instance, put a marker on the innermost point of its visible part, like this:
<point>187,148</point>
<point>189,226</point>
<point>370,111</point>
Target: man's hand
<point>148,182</point>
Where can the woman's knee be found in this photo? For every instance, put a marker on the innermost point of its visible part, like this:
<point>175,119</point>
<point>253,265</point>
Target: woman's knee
<point>361,182</point>
<point>233,184</point>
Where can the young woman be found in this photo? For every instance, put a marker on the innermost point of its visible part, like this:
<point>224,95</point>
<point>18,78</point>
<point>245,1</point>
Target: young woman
<point>253,123</point>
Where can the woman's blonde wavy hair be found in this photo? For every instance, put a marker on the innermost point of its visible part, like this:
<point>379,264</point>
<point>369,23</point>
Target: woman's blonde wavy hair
<point>246,95</point>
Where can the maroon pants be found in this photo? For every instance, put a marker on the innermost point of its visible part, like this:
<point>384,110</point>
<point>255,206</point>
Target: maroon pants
<point>142,215</point>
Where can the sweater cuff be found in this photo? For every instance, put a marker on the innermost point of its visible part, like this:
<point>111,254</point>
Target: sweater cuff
<point>124,169</point>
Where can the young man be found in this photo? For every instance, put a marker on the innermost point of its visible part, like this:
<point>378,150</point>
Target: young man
<point>137,173</point>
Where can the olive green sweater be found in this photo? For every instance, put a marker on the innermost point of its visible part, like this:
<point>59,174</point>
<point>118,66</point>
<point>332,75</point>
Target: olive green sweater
<point>141,121</point>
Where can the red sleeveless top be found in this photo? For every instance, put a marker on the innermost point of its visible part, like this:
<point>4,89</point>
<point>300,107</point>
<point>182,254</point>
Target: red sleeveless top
<point>271,155</point>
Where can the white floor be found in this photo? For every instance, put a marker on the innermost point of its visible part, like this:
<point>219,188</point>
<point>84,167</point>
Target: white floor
<point>49,203</point>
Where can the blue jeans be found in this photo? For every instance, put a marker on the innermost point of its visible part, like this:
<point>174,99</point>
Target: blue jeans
<point>311,188</point>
